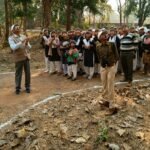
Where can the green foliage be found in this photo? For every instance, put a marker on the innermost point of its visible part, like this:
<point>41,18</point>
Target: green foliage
<point>141,8</point>
<point>58,11</point>
<point>2,13</point>
<point>78,7</point>
<point>103,133</point>
<point>19,12</point>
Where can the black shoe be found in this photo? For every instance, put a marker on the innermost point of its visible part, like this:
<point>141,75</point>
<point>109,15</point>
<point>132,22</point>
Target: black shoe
<point>65,75</point>
<point>28,91</point>
<point>69,77</point>
<point>73,79</point>
<point>17,92</point>
<point>112,111</point>
<point>104,103</point>
<point>124,80</point>
<point>129,83</point>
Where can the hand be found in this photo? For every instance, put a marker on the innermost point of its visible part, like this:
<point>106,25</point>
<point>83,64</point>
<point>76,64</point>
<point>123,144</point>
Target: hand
<point>26,41</point>
<point>87,47</point>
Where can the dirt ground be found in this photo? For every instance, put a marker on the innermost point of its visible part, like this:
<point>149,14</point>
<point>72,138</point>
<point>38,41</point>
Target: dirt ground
<point>78,122</point>
<point>44,85</point>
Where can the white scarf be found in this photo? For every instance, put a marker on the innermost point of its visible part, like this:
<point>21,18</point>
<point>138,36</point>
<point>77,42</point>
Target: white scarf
<point>86,43</point>
<point>78,41</point>
<point>112,39</point>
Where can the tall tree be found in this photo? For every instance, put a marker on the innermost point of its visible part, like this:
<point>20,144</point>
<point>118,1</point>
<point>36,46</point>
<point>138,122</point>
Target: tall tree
<point>141,8</point>
<point>47,8</point>
<point>68,15</point>
<point>22,11</point>
<point>120,6</point>
<point>6,21</point>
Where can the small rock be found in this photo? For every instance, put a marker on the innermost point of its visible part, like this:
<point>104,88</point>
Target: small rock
<point>127,147</point>
<point>88,147</point>
<point>15,143</point>
<point>15,120</point>
<point>63,131</point>
<point>85,136</point>
<point>133,119</point>
<point>3,142</point>
<point>140,135</point>
<point>121,132</point>
<point>54,133</point>
<point>50,114</point>
<point>80,140</point>
<point>21,133</point>
<point>87,110</point>
<point>147,96</point>
<point>31,128</point>
<point>126,125</point>
<point>24,121</point>
<point>113,147</point>
<point>139,116</point>
<point>45,111</point>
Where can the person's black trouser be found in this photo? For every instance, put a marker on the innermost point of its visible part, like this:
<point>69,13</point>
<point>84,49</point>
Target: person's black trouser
<point>127,65</point>
<point>18,75</point>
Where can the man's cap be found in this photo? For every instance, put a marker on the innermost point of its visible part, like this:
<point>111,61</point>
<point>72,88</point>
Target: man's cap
<point>13,27</point>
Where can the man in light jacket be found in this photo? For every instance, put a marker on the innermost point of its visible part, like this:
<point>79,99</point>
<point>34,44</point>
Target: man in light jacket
<point>20,46</point>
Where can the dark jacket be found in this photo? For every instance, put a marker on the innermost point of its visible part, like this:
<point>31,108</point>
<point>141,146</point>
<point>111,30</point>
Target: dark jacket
<point>107,53</point>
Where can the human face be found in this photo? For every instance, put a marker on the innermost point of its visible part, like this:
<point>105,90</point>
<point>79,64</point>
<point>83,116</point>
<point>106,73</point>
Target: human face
<point>112,33</point>
<point>125,31</point>
<point>141,31</point>
<point>65,36</point>
<point>78,33</point>
<point>87,35</point>
<point>46,32</point>
<point>72,45</point>
<point>103,38</point>
<point>16,30</point>
<point>53,35</point>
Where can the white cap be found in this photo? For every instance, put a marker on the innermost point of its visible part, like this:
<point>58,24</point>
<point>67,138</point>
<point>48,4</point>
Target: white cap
<point>140,28</point>
<point>12,27</point>
<point>99,34</point>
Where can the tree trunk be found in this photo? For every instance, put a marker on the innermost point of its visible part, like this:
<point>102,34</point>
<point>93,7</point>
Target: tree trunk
<point>80,17</point>
<point>120,12</point>
<point>89,18</point>
<point>10,12</point>
<point>47,4</point>
<point>141,12</point>
<point>68,15</point>
<point>25,9</point>
<point>94,21</point>
<point>6,23</point>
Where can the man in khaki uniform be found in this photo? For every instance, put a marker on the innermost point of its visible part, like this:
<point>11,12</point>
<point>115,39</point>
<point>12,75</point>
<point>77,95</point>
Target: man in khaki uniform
<point>20,47</point>
<point>108,56</point>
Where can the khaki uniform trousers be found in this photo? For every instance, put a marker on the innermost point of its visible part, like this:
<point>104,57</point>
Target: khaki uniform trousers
<point>107,78</point>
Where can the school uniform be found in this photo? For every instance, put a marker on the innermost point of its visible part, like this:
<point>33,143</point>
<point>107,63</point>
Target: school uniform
<point>64,46</point>
<point>97,62</point>
<point>72,59</point>
<point>54,56</point>
<point>89,57</point>
<point>46,49</point>
<point>79,43</point>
